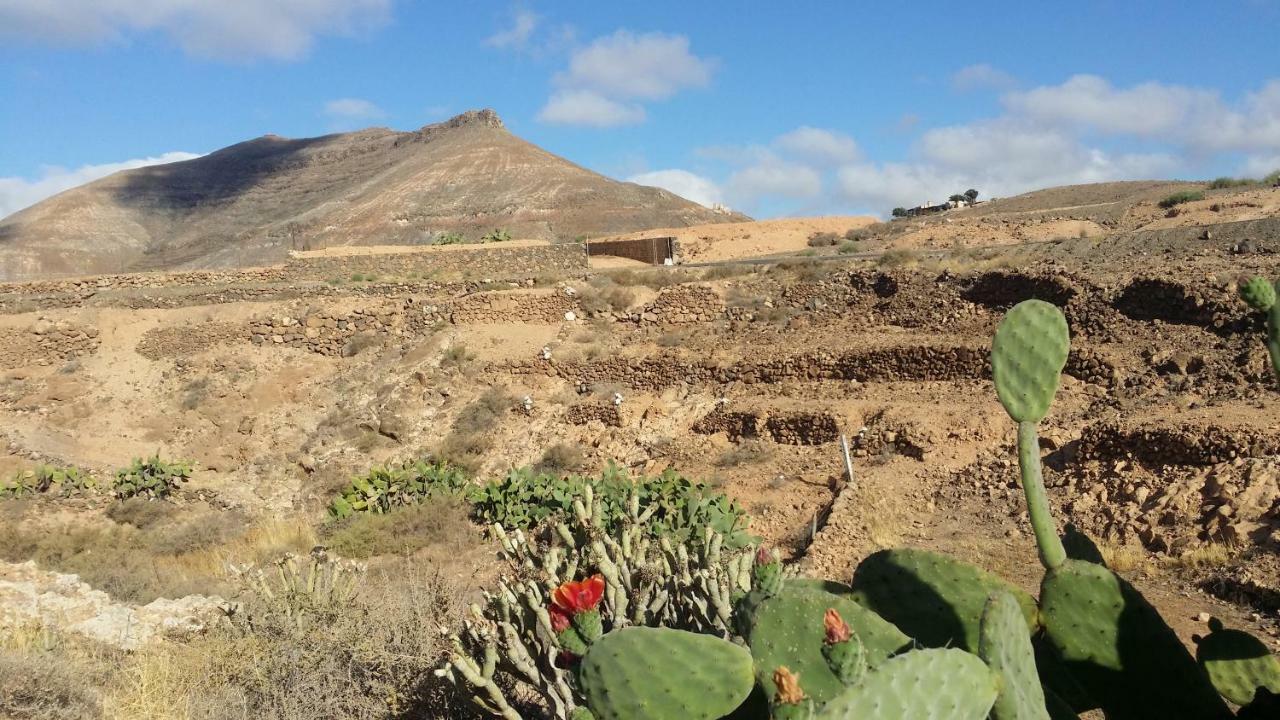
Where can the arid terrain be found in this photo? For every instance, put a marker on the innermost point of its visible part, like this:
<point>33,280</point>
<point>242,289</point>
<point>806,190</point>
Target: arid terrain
<point>280,383</point>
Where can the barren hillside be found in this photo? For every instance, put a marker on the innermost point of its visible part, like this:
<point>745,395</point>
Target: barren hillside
<point>250,203</point>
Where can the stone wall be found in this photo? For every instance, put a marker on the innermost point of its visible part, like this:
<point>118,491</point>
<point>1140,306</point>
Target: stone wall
<point>44,342</point>
<point>583,413</point>
<point>513,307</point>
<point>482,261</point>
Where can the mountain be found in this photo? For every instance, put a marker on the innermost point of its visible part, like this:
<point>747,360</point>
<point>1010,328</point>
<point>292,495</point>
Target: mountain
<point>250,203</point>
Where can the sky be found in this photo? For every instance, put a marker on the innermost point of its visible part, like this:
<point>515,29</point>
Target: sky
<point>770,108</point>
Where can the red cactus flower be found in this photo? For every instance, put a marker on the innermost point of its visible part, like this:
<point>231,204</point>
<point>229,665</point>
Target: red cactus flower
<point>763,556</point>
<point>572,598</point>
<point>837,630</point>
<point>559,619</point>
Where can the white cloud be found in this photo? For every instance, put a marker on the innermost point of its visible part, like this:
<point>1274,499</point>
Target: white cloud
<point>1003,156</point>
<point>586,107</point>
<point>774,178</point>
<point>819,146</point>
<point>683,183</point>
<point>652,66</point>
<point>236,30</point>
<point>523,23</point>
<point>981,77</point>
<point>1194,118</point>
<point>606,79</point>
<point>17,193</point>
<point>352,109</point>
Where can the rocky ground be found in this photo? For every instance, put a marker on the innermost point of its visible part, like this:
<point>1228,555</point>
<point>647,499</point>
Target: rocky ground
<point>1160,447</point>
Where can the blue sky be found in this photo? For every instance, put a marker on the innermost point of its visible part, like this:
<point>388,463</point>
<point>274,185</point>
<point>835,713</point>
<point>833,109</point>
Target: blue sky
<point>771,108</point>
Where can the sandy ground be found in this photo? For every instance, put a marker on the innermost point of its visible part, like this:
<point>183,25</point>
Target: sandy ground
<point>729,241</point>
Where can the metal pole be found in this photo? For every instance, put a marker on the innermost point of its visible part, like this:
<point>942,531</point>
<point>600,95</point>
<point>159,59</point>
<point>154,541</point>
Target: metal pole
<point>848,461</point>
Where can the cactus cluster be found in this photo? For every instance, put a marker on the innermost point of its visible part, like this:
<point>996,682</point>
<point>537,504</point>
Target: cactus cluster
<point>384,488</point>
<point>916,634</point>
<point>530,633</point>
<point>1260,294</point>
<point>299,592</point>
<point>48,479</point>
<point>152,478</point>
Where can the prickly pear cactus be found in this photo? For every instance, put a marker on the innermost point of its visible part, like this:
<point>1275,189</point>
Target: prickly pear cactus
<point>787,630</point>
<point>1027,357</point>
<point>1258,293</point>
<point>1120,649</point>
<point>644,673</point>
<point>941,684</point>
<point>1006,648</point>
<point>1237,663</point>
<point>933,598</point>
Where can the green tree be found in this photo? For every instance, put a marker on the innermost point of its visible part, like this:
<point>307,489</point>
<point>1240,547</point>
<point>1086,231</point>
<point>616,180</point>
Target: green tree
<point>899,212</point>
<point>971,194</point>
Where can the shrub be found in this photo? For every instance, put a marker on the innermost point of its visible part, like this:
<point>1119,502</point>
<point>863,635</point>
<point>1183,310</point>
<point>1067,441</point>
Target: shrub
<point>897,257</point>
<point>823,239</point>
<point>496,235</point>
<point>455,356</point>
<point>152,478</point>
<point>64,481</point>
<point>855,234</point>
<point>1272,180</point>
<point>450,238</point>
<point>1179,198</point>
<point>560,459</point>
<point>440,520</point>
<point>848,247</point>
<point>603,295</point>
<point>1223,183</point>
<point>319,637</point>
<point>899,212</point>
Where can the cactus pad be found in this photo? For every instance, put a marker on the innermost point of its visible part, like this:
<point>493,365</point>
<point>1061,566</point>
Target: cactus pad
<point>1238,664</point>
<point>1258,293</point>
<point>1006,647</point>
<point>787,630</point>
<point>643,673</point>
<point>933,598</point>
<point>1119,648</point>
<point>1027,357</point>
<point>944,684</point>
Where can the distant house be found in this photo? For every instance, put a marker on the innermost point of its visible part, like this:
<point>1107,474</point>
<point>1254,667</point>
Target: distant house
<point>928,208</point>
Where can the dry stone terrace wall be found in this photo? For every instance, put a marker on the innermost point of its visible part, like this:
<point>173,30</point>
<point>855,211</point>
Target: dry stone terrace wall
<point>46,341</point>
<point>1158,445</point>
<point>518,307</point>
<point>584,413</point>
<point>489,261</point>
<point>785,427</point>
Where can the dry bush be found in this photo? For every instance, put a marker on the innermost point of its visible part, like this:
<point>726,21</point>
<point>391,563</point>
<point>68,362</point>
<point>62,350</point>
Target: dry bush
<point>456,356</point>
<point>655,279</point>
<point>360,342</point>
<point>823,239</point>
<point>675,338</point>
<point>898,257</point>
<point>437,522</point>
<point>720,272</point>
<point>45,676</point>
<point>804,270</point>
<point>749,452</point>
<point>603,295</point>
<point>184,554</point>
<point>295,656</point>
<point>471,437</point>
<point>561,459</point>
